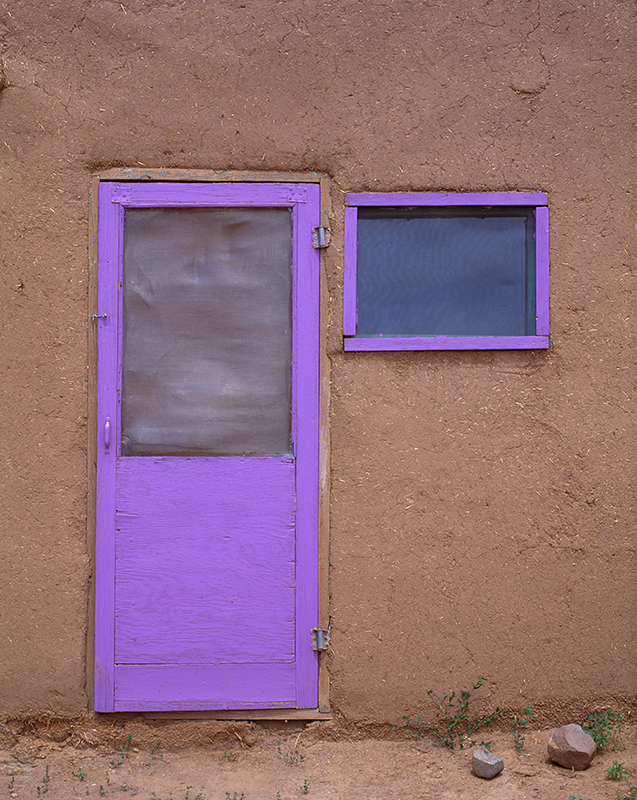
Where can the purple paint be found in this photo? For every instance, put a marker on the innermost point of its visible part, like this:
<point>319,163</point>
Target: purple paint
<point>542,270</point>
<point>540,340</point>
<point>206,568</point>
<point>446,343</point>
<point>350,318</point>
<point>447,199</point>
<point>222,533</point>
<point>201,687</point>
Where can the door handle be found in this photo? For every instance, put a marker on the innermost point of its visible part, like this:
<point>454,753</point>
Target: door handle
<point>107,433</point>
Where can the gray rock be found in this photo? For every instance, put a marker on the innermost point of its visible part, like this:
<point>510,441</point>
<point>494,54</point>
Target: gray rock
<point>485,764</point>
<point>571,747</point>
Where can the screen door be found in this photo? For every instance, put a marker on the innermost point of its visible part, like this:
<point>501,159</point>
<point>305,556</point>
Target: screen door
<point>206,548</point>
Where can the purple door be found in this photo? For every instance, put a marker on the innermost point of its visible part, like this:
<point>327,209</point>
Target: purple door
<point>207,467</point>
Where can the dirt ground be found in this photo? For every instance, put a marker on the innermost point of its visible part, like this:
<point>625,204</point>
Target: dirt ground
<point>272,762</point>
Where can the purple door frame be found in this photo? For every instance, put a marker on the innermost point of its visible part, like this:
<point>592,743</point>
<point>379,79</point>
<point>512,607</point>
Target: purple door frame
<point>168,686</point>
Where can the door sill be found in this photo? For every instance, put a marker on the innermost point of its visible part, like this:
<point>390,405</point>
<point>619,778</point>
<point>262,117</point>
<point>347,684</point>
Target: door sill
<point>259,714</point>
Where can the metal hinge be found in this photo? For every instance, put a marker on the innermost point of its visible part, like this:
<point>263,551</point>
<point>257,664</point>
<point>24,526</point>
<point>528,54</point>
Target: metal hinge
<point>320,639</point>
<point>321,237</point>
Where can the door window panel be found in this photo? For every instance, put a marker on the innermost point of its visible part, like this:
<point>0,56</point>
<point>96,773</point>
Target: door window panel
<point>207,331</point>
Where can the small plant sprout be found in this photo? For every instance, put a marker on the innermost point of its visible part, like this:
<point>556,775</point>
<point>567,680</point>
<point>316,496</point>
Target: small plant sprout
<point>123,752</point>
<point>228,756</point>
<point>518,725</point>
<point>604,728</point>
<point>616,772</point>
<point>293,758</point>
<point>45,783</point>
<point>79,774</point>
<point>235,796</point>
<point>305,789</point>
<point>576,797</point>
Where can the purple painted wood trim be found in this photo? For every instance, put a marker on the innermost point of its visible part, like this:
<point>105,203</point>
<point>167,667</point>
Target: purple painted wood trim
<point>447,343</point>
<point>542,270</point>
<point>222,534</point>
<point>200,687</point>
<point>149,195</point>
<point>350,295</point>
<point>109,246</point>
<point>305,401</point>
<point>446,199</point>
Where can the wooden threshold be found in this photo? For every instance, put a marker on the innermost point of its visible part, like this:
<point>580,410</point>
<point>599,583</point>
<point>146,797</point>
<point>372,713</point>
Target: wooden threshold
<point>260,714</point>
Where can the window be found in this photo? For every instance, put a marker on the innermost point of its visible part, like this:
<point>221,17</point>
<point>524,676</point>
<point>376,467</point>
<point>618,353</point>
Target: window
<point>446,271</point>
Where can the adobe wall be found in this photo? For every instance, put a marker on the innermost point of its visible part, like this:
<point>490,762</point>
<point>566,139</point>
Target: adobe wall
<point>482,516</point>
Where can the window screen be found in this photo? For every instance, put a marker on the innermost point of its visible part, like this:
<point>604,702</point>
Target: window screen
<point>207,331</point>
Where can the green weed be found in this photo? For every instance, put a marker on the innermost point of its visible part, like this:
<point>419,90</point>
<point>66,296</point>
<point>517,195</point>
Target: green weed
<point>228,756</point>
<point>80,774</point>
<point>576,797</point>
<point>454,725</point>
<point>604,727</point>
<point>235,796</point>
<point>198,796</point>
<point>616,772</point>
<point>305,789</point>
<point>45,783</point>
<point>11,782</point>
<point>518,725</point>
<point>123,752</point>
<point>293,758</point>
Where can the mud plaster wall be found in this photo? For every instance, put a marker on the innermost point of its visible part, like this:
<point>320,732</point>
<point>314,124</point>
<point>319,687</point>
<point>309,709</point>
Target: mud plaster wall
<point>482,503</point>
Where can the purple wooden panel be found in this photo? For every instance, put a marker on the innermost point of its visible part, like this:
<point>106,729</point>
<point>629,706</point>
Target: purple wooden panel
<point>447,199</point>
<point>448,343</point>
<point>204,560</point>
<point>109,251</point>
<point>542,270</point>
<point>350,295</point>
<point>200,687</point>
<point>148,195</point>
<point>305,402</point>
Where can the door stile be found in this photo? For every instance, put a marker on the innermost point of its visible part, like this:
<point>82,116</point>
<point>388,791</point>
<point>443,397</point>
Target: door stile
<point>305,370</point>
<point>110,246</point>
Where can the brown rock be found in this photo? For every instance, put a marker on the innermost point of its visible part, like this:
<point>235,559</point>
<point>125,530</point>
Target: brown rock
<point>571,747</point>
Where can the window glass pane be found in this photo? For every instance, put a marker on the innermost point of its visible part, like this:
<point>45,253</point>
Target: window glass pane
<point>207,331</point>
<point>454,272</point>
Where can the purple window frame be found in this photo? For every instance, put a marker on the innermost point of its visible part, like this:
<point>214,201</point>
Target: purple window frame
<point>536,200</point>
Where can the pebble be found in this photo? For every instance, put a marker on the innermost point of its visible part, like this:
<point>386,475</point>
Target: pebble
<point>485,764</point>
